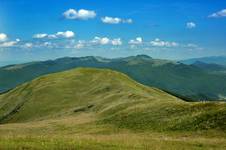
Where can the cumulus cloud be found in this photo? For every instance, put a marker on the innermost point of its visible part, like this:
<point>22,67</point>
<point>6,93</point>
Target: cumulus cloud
<point>218,14</point>
<point>80,44</point>
<point>3,37</point>
<point>40,35</point>
<point>106,41</point>
<point>101,41</point>
<point>136,41</point>
<point>66,34</point>
<point>9,43</point>
<point>116,20</point>
<point>110,20</point>
<point>98,41</point>
<point>116,42</point>
<point>129,21</point>
<point>28,45</point>
<point>159,43</point>
<point>81,14</point>
<point>5,42</point>
<point>190,25</point>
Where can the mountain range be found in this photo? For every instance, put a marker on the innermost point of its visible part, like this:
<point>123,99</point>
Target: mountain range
<point>220,60</point>
<point>193,82</point>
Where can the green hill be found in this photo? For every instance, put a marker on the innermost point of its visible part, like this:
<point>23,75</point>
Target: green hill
<point>189,81</point>
<point>113,96</point>
<point>104,109</point>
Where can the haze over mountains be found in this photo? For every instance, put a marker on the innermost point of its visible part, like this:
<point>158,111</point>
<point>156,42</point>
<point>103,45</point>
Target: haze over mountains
<point>220,60</point>
<point>198,81</point>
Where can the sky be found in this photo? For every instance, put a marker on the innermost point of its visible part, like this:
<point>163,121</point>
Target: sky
<point>32,30</point>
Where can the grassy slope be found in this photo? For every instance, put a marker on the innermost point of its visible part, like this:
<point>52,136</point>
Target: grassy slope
<point>185,80</point>
<point>102,107</point>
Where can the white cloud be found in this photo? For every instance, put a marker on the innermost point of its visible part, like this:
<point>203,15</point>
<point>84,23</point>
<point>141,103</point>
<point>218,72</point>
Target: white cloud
<point>80,44</point>
<point>129,21</point>
<point>190,25</point>
<point>81,14</point>
<point>9,43</point>
<point>159,43</point>
<point>48,44</point>
<point>116,20</point>
<point>116,42</point>
<point>101,41</point>
<point>66,34</point>
<point>110,20</point>
<point>3,37</point>
<point>106,41</point>
<point>218,14</point>
<point>40,35</point>
<point>28,45</point>
<point>137,41</point>
<point>98,41</point>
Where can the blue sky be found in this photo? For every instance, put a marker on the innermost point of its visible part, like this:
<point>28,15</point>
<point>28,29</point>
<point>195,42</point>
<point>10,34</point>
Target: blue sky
<point>172,29</point>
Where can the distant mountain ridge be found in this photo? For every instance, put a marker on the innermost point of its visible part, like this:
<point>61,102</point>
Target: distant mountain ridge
<point>210,67</point>
<point>189,81</point>
<point>220,60</point>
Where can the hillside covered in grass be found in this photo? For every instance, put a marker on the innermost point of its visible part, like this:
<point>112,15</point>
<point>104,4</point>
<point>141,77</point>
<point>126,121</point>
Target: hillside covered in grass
<point>113,97</point>
<point>191,82</point>
<point>103,109</point>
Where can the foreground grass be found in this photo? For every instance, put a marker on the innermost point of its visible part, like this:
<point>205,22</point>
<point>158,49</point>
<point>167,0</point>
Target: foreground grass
<point>80,132</point>
<point>111,142</point>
